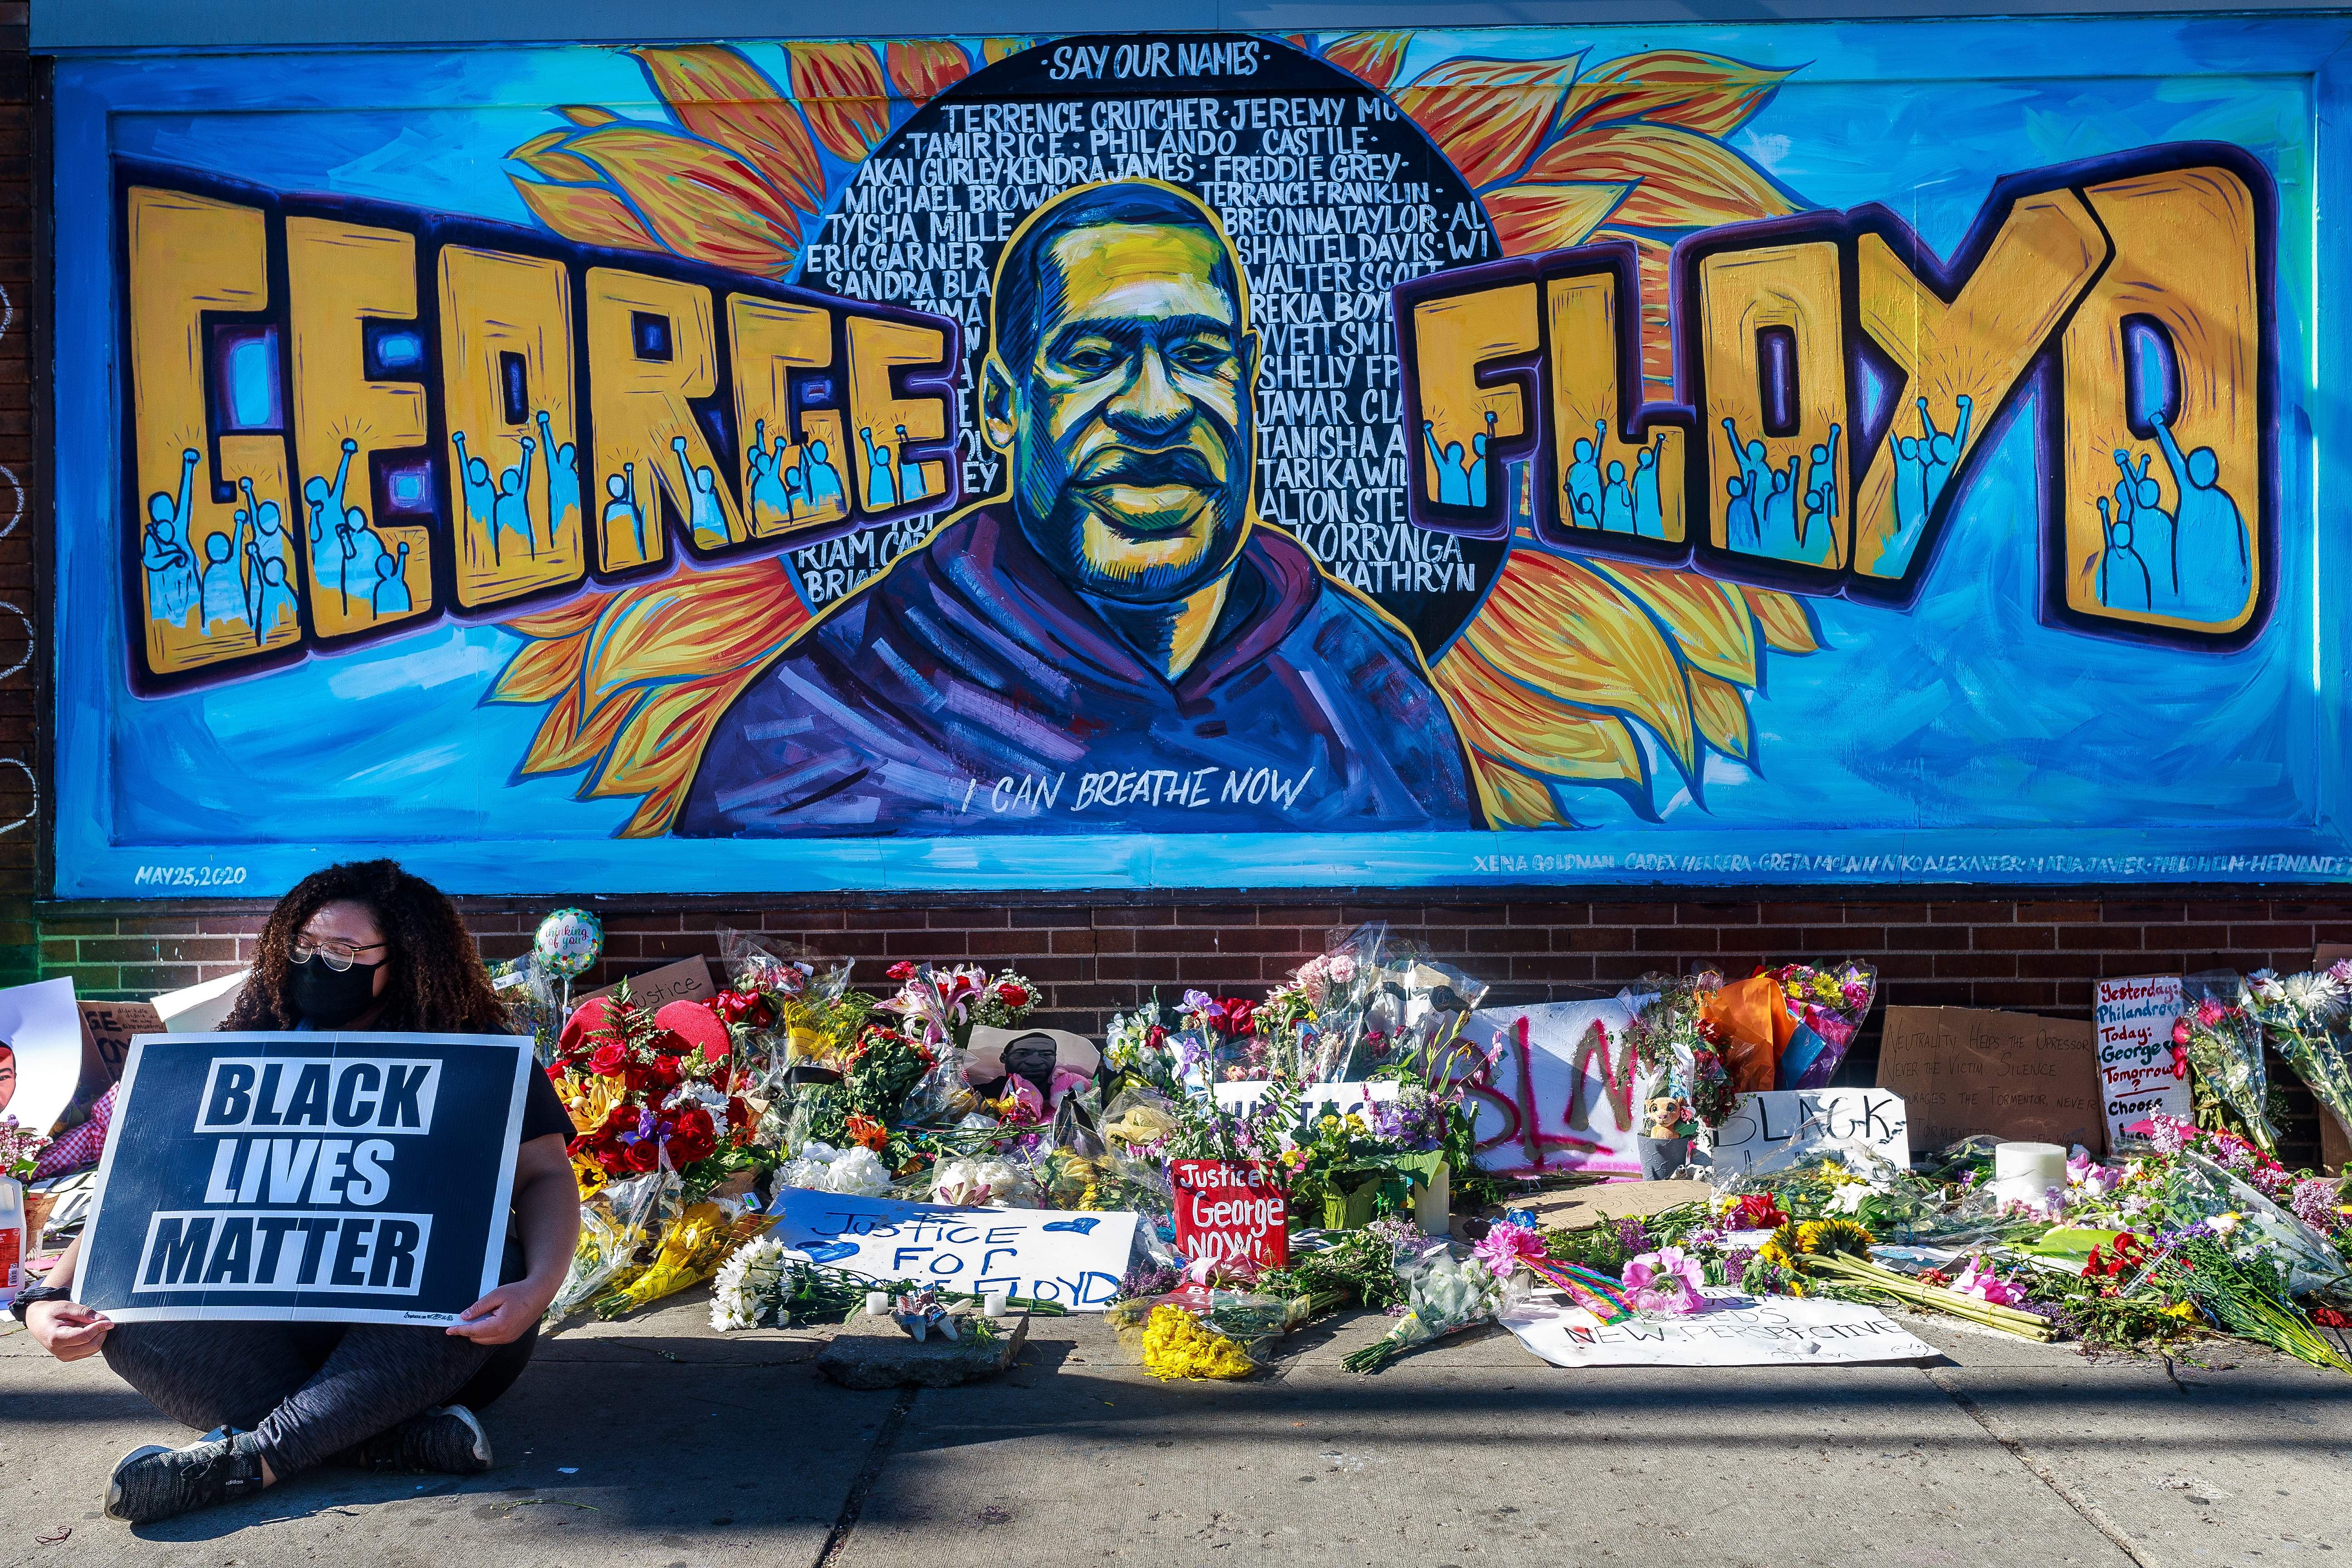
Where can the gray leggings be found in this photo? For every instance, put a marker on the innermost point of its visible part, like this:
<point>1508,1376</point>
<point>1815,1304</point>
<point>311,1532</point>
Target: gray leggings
<point>307,1391</point>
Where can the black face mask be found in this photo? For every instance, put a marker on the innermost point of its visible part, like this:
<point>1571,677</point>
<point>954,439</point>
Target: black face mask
<point>327,1000</point>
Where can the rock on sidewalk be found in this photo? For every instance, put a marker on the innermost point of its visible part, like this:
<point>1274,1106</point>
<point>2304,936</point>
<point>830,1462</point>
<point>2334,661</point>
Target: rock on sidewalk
<point>874,1352</point>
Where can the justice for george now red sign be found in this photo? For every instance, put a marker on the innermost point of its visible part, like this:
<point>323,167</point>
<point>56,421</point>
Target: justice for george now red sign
<point>1229,1209</point>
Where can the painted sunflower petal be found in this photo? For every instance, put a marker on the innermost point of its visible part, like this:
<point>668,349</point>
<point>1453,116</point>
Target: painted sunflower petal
<point>1722,714</point>
<point>1788,623</point>
<point>1681,180</point>
<point>924,70</point>
<point>1709,622</point>
<point>588,214</point>
<point>1372,57</point>
<point>1486,116</point>
<point>1530,219</point>
<point>1705,93</point>
<point>702,201</point>
<point>842,89</point>
<point>1529,730</point>
<point>720,96</point>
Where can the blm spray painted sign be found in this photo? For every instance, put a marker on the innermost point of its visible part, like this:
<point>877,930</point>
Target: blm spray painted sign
<point>307,1177</point>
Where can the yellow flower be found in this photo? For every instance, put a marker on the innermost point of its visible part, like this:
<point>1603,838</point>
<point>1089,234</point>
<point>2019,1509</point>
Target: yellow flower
<point>1356,1122</point>
<point>1828,1236</point>
<point>2184,1310</point>
<point>1330,1124</point>
<point>1176,1345</point>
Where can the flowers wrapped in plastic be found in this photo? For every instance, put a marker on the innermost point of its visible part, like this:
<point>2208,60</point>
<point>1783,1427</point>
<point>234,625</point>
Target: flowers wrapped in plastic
<point>1443,1296</point>
<point>764,1284</point>
<point>1687,1085</point>
<point>855,1171</point>
<point>1829,1005</point>
<point>987,1181</point>
<point>689,1253</point>
<point>617,1224</point>
<point>2225,1046</point>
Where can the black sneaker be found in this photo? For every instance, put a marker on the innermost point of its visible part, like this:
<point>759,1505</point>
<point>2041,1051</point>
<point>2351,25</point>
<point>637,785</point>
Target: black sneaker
<point>447,1439</point>
<point>155,1482</point>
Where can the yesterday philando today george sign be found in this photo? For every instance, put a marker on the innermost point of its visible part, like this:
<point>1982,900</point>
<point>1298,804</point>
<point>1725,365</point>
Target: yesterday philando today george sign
<point>306,1177</point>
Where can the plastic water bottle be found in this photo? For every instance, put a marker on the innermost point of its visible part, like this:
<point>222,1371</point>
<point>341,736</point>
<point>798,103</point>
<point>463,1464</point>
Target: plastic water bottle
<point>11,1239</point>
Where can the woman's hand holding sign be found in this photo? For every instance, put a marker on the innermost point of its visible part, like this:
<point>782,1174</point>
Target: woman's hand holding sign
<point>547,1210</point>
<point>68,1330</point>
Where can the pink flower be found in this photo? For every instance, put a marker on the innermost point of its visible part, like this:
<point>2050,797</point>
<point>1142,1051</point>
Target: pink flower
<point>1505,1244</point>
<point>1028,1106</point>
<point>2210,1012</point>
<point>1979,1280</point>
<point>1663,1281</point>
<point>2087,1173</point>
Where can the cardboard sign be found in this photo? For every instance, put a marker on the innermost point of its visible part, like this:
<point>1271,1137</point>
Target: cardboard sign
<point>305,1177</point>
<point>2330,953</point>
<point>688,980</point>
<point>1736,1330</point>
<point>1077,1259</point>
<point>2138,1076</point>
<point>107,1028</point>
<point>1560,1094</point>
<point>1228,1209</point>
<point>1764,1125</point>
<point>40,1052</point>
<point>2334,1143</point>
<point>1962,1070</point>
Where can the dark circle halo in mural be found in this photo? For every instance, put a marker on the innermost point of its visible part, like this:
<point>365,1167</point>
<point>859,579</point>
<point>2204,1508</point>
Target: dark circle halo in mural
<point>1331,196</point>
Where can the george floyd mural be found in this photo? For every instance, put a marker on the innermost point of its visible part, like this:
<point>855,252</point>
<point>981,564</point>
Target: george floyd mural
<point>1810,453</point>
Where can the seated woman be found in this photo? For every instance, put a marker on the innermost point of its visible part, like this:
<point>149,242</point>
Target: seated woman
<point>356,947</point>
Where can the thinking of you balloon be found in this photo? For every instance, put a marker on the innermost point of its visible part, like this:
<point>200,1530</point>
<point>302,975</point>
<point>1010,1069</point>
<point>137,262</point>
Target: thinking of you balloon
<point>568,943</point>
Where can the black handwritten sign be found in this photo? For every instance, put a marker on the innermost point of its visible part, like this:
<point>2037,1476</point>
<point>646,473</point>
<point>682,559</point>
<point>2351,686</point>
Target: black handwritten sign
<point>305,1177</point>
<point>1763,1125</point>
<point>1963,1070</point>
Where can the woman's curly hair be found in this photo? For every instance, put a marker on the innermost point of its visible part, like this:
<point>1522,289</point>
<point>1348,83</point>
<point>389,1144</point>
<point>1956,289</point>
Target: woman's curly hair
<point>437,984</point>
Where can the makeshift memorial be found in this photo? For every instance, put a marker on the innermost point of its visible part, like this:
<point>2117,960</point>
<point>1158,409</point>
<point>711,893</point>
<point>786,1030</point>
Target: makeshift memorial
<point>2224,1041</point>
<point>1446,1296</point>
<point>650,1091</point>
<point>1835,1255</point>
<point>2142,1071</point>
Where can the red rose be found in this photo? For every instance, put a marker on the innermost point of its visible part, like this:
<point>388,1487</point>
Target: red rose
<point>608,1059</point>
<point>619,1119</point>
<point>746,1007</point>
<point>903,970</point>
<point>691,1137</point>
<point>610,1160</point>
<point>556,1072</point>
<point>665,1072</point>
<point>1013,995</point>
<point>642,1155</point>
<point>1241,1016</point>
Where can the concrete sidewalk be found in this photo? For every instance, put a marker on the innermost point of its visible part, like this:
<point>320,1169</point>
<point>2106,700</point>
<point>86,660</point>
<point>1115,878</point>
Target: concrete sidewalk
<point>661,1443</point>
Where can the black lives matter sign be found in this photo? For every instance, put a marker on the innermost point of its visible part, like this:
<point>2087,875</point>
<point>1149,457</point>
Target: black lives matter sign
<point>322,1178</point>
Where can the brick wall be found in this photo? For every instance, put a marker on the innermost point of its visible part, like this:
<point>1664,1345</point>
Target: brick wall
<point>22,644</point>
<point>1095,956</point>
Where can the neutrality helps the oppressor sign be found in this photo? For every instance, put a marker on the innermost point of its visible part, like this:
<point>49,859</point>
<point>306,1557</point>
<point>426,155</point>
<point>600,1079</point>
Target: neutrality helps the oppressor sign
<point>338,1178</point>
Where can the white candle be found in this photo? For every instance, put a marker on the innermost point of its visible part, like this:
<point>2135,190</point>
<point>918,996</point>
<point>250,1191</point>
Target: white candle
<point>877,1303</point>
<point>992,1304</point>
<point>2023,1173</point>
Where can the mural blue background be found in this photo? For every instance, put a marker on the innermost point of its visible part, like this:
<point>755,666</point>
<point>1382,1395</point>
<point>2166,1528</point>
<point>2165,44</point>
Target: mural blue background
<point>1962,741</point>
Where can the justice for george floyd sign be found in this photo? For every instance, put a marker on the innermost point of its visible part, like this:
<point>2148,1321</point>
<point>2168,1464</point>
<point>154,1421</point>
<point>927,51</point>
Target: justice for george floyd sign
<point>306,1177</point>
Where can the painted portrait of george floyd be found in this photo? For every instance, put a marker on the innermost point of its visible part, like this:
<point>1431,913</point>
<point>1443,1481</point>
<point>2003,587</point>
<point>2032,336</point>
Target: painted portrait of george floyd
<point>1120,606</point>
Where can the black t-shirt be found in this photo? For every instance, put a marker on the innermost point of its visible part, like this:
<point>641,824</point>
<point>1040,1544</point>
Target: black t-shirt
<point>542,1110</point>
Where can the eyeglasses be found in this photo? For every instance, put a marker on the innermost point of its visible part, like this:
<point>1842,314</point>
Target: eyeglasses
<point>336,955</point>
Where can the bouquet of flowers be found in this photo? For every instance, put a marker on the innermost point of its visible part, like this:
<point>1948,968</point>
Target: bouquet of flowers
<point>2304,1016</point>
<point>942,1005</point>
<point>855,1171</point>
<point>2225,1046</point>
<point>766,1285</point>
<point>1220,1041</point>
<point>1445,1297</point>
<point>20,1150</point>
<point>1135,1048</point>
<point>1679,1052</point>
<point>984,1182</point>
<point>689,1254</point>
<point>624,1082</point>
<point>1830,1004</point>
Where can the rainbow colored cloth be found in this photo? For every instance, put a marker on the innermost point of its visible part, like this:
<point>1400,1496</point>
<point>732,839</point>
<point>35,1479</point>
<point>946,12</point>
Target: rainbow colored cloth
<point>1594,1291</point>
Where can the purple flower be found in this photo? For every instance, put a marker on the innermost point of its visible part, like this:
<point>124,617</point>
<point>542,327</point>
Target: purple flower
<point>1198,1002</point>
<point>2315,1205</point>
<point>1632,1234</point>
